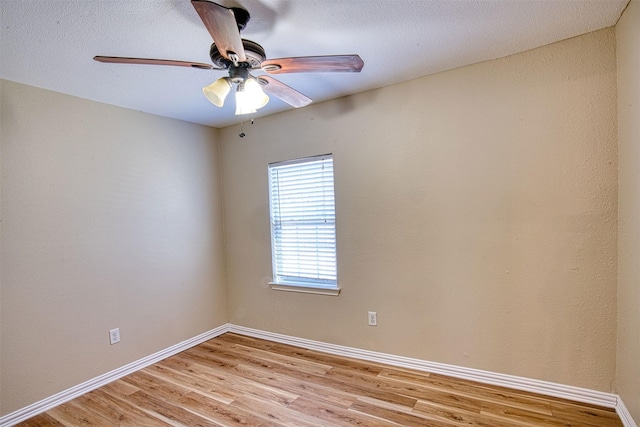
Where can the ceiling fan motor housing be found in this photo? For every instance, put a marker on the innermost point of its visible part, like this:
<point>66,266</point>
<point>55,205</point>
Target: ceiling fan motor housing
<point>253,51</point>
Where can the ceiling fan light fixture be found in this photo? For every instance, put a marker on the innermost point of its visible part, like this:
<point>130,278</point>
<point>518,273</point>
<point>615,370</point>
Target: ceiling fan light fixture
<point>250,97</point>
<point>217,91</point>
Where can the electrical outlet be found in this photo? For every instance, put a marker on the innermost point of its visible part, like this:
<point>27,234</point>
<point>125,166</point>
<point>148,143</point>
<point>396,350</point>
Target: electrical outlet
<point>373,318</point>
<point>114,336</point>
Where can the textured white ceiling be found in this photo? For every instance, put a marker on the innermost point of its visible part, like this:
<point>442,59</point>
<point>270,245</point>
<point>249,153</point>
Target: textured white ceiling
<point>51,43</point>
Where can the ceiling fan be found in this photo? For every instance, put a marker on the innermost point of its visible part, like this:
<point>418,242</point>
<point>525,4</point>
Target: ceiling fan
<point>240,56</point>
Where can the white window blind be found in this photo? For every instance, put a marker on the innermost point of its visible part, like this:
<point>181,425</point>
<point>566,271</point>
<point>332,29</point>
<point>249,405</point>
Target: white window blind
<point>303,222</point>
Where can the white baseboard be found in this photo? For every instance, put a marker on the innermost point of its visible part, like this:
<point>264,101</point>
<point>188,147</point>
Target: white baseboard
<point>577,394</point>
<point>583,395</point>
<point>85,387</point>
<point>624,414</point>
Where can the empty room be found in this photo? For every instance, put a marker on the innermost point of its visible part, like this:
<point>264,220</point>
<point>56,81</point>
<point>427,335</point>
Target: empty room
<point>336,213</point>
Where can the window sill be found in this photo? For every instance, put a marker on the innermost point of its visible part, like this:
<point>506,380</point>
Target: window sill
<point>304,289</point>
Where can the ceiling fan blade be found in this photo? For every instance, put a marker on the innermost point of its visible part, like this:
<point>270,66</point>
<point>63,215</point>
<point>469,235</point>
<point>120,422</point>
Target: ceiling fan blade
<point>286,93</point>
<point>146,61</point>
<point>314,64</point>
<point>222,25</point>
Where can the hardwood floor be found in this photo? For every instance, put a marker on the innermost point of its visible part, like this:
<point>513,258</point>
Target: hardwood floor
<point>234,380</point>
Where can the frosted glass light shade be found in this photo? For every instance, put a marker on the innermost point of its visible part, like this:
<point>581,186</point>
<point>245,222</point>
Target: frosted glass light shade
<point>258,98</point>
<point>217,91</point>
<point>250,97</point>
<point>243,103</point>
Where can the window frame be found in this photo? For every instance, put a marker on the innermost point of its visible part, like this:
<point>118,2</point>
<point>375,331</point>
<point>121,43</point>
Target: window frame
<point>281,280</point>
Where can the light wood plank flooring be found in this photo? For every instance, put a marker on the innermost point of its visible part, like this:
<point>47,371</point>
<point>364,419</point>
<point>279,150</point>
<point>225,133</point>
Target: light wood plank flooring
<point>234,380</point>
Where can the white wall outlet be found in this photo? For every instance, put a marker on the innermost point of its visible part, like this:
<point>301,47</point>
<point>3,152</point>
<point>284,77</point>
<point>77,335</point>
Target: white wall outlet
<point>373,318</point>
<point>114,336</point>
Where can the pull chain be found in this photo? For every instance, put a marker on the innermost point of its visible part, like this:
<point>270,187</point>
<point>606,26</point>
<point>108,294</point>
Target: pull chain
<point>242,134</point>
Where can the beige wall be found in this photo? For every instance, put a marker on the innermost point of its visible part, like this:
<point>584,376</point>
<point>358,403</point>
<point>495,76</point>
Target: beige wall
<point>476,213</point>
<point>110,218</point>
<point>628,50</point>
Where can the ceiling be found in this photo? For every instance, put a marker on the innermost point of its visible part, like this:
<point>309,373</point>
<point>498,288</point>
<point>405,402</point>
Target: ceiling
<point>50,44</point>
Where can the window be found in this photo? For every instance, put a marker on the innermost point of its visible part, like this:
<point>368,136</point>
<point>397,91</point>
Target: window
<point>303,225</point>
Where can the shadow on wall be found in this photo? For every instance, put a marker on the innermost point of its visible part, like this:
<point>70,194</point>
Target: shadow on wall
<point>346,104</point>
